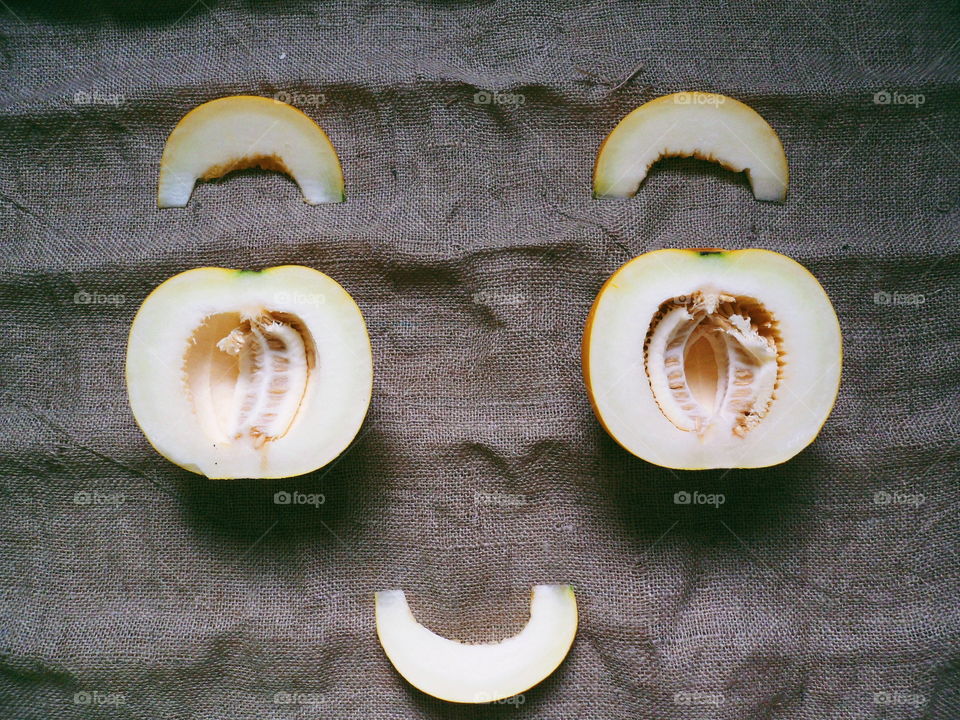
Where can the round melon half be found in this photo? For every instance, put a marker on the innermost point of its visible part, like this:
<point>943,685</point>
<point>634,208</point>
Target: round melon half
<point>698,359</point>
<point>238,374</point>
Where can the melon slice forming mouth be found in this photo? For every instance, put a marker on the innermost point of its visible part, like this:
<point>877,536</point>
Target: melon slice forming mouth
<point>461,673</point>
<point>245,131</point>
<point>692,124</point>
<point>249,374</point>
<point>712,359</point>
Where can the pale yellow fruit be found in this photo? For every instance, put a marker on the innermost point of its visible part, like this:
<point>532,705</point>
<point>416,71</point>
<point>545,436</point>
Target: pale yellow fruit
<point>699,359</point>
<point>697,124</point>
<point>244,131</point>
<point>461,673</point>
<point>237,374</point>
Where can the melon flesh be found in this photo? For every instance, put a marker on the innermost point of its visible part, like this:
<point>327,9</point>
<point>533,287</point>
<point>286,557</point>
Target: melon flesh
<point>692,124</point>
<point>244,131</point>
<point>461,673</point>
<point>249,374</point>
<point>712,359</point>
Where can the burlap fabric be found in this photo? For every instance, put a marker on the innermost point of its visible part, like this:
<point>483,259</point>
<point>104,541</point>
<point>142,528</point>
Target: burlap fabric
<point>823,588</point>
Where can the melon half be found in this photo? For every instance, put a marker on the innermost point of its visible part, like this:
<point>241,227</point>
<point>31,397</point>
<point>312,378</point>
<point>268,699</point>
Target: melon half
<point>239,374</point>
<point>697,359</point>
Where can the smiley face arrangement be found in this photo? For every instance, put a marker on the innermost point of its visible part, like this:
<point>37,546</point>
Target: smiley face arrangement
<point>692,359</point>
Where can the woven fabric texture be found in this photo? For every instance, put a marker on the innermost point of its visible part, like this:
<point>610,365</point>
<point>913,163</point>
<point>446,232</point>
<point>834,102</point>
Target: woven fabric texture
<point>825,587</point>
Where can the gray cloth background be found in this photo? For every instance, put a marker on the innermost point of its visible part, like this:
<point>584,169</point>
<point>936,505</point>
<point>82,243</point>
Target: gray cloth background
<point>471,242</point>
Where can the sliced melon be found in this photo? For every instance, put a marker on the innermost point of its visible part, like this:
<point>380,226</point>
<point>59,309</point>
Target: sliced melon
<point>461,673</point>
<point>244,131</point>
<point>237,374</point>
<point>699,359</point>
<point>697,124</point>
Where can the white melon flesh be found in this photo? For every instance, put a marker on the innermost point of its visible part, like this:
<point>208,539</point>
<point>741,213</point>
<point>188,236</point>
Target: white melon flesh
<point>461,673</point>
<point>237,374</point>
<point>246,131</point>
<point>692,124</point>
<point>699,359</point>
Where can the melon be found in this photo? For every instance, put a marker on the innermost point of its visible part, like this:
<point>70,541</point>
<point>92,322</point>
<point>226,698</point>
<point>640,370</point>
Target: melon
<point>480,673</point>
<point>239,374</point>
<point>692,124</point>
<point>246,131</point>
<point>698,359</point>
